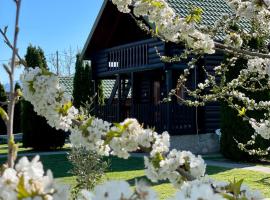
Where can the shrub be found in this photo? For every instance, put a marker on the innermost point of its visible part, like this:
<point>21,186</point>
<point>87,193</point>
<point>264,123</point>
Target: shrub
<point>88,167</point>
<point>83,89</point>
<point>233,127</point>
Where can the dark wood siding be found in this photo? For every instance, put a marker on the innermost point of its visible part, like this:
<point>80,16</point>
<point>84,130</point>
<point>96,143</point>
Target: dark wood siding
<point>212,110</point>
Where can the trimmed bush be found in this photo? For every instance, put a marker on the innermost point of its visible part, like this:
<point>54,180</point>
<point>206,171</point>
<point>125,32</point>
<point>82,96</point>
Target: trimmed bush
<point>83,88</point>
<point>36,132</point>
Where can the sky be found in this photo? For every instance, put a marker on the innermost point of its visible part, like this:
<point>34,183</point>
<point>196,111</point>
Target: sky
<point>51,24</point>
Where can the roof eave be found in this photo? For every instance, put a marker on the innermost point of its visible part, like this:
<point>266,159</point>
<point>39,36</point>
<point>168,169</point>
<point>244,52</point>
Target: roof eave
<point>82,56</point>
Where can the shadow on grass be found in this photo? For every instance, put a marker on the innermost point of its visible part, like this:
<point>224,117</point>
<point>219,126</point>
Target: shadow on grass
<point>118,164</point>
<point>264,181</point>
<point>211,170</point>
<point>60,165</point>
<point>132,181</point>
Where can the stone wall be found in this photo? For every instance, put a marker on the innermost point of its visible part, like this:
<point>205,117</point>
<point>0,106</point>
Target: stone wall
<point>198,144</point>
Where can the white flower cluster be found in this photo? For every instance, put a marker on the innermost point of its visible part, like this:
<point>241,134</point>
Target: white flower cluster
<point>91,135</point>
<point>197,190</point>
<point>258,11</point>
<point>123,5</point>
<point>233,39</point>
<point>119,190</point>
<point>168,25</point>
<point>260,66</point>
<point>208,189</point>
<point>121,139</point>
<point>173,165</point>
<point>262,128</point>
<point>28,181</point>
<point>204,189</point>
<point>43,90</point>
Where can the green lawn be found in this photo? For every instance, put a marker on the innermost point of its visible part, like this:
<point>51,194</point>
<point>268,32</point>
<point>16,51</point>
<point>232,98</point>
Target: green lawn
<point>132,169</point>
<point>4,149</point>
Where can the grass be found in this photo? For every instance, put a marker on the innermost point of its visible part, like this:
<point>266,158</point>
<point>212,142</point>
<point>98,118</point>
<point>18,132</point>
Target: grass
<point>132,169</point>
<point>4,149</point>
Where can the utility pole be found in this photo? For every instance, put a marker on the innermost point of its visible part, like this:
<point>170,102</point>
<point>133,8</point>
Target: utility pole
<point>57,64</point>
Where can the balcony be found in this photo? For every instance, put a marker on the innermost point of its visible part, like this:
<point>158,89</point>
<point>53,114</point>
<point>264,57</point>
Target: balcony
<point>132,57</point>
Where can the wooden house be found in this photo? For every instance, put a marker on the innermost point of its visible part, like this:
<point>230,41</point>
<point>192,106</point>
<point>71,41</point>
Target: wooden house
<point>127,56</point>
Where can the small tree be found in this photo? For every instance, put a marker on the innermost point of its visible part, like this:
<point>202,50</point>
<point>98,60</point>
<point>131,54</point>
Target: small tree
<point>36,132</point>
<point>101,98</point>
<point>83,88</point>
<point>77,82</point>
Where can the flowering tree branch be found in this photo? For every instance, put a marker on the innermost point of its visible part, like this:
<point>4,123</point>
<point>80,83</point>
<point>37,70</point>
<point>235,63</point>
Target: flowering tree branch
<point>12,148</point>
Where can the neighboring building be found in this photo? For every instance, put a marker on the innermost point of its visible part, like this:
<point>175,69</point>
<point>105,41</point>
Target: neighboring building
<point>67,82</point>
<point>126,56</point>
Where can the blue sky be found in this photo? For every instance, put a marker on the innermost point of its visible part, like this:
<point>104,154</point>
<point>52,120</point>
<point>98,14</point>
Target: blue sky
<point>51,24</point>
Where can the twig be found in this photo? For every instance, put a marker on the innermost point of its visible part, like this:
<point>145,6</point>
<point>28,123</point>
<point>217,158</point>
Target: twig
<point>12,99</point>
<point>7,41</point>
<point>230,49</point>
<point>185,174</point>
<point>7,69</point>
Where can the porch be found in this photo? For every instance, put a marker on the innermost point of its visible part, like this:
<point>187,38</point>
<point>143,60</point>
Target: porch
<point>171,117</point>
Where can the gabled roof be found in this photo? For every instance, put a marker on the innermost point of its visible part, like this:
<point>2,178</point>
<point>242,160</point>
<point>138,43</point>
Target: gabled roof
<point>105,2</point>
<point>212,11</point>
<point>67,82</point>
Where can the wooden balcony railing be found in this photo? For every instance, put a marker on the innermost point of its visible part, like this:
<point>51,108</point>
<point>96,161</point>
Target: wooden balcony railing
<point>175,118</point>
<point>132,56</point>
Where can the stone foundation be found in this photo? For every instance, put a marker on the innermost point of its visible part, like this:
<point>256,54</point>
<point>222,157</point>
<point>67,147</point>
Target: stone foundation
<point>197,144</point>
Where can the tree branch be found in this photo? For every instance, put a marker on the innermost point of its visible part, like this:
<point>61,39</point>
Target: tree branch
<point>8,43</point>
<point>230,49</point>
<point>7,69</point>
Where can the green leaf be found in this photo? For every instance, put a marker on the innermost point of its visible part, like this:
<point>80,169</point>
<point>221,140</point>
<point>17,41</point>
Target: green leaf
<point>64,109</point>
<point>156,30</point>
<point>195,15</point>
<point>242,112</point>
<point>157,159</point>
<point>112,134</point>
<point>3,114</point>
<point>154,3</point>
<point>235,187</point>
<point>84,127</point>
<point>22,192</point>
